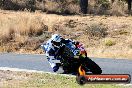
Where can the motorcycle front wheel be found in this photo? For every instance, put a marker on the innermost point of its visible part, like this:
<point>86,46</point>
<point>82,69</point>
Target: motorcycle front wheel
<point>92,66</point>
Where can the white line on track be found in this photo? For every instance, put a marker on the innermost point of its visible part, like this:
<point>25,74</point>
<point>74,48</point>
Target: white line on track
<point>34,71</point>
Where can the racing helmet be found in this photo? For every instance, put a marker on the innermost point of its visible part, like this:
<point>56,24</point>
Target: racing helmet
<point>56,40</point>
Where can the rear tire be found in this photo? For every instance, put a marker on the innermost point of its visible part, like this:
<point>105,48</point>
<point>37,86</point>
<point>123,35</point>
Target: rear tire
<point>81,80</point>
<point>92,66</point>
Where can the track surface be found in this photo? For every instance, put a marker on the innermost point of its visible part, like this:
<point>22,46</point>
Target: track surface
<point>40,63</point>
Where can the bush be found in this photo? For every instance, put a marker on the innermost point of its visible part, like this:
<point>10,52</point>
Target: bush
<point>109,42</point>
<point>99,7</point>
<point>96,30</point>
<point>62,7</point>
<point>130,46</point>
<point>103,7</point>
<point>118,8</point>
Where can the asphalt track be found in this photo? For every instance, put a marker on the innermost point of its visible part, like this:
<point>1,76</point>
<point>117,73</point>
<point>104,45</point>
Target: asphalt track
<point>40,63</point>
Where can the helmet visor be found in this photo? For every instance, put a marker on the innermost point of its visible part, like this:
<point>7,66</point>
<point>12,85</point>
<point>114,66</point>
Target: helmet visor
<point>56,43</point>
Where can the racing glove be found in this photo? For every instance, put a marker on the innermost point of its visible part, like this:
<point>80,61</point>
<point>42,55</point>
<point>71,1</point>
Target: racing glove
<point>55,68</point>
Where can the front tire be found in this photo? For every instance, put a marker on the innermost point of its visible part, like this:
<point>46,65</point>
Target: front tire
<point>92,66</point>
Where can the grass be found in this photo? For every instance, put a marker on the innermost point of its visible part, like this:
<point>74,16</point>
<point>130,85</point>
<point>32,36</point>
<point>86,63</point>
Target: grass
<point>45,80</point>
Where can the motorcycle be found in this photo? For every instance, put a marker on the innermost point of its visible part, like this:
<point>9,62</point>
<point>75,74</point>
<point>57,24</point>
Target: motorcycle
<point>71,63</point>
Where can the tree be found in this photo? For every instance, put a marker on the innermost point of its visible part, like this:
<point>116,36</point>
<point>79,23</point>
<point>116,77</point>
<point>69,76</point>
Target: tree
<point>129,5</point>
<point>84,6</point>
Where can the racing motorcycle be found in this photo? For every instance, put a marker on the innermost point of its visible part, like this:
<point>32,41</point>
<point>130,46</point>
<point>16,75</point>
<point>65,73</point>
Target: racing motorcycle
<point>71,63</point>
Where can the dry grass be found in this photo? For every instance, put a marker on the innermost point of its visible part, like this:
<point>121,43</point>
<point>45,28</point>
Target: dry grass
<point>22,31</point>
